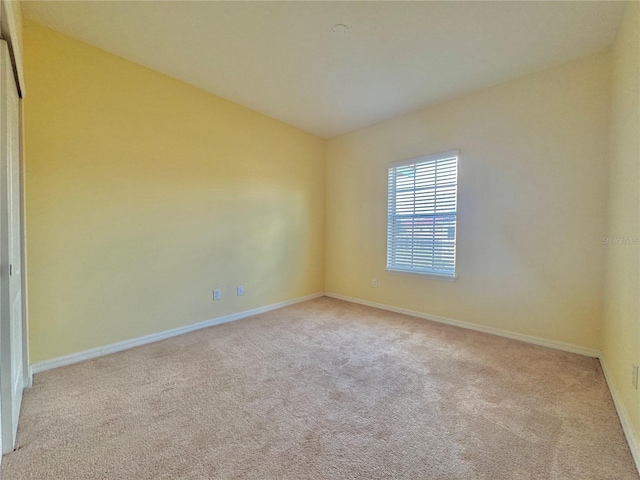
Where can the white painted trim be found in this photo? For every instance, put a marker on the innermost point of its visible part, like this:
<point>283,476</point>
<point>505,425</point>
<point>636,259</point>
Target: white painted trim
<point>434,276</point>
<point>566,347</point>
<point>154,337</point>
<point>625,421</point>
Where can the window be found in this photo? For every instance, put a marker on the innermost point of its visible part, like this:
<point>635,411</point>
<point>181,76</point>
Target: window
<point>421,222</point>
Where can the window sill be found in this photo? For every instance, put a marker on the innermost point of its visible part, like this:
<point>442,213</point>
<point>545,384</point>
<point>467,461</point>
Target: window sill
<point>435,276</point>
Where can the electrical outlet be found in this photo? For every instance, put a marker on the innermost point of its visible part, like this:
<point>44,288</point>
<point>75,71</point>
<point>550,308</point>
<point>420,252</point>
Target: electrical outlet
<point>634,376</point>
<point>240,290</point>
<point>374,283</point>
<point>217,294</point>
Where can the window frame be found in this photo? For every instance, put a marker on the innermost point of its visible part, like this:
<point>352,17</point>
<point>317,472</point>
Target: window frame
<point>394,269</point>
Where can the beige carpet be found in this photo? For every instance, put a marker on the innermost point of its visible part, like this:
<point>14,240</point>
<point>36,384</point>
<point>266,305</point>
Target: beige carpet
<point>324,389</point>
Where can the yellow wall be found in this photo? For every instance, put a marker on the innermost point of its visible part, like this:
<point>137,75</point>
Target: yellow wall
<point>621,342</point>
<point>144,193</point>
<point>532,190</point>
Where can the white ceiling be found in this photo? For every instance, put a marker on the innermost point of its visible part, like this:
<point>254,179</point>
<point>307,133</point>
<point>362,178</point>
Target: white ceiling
<point>282,59</point>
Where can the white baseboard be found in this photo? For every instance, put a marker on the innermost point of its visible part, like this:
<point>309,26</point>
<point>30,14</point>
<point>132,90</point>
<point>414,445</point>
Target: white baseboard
<point>625,421</point>
<point>154,337</point>
<point>566,347</point>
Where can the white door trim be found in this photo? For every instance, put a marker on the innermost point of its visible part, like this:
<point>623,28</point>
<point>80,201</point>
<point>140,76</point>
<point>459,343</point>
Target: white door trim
<point>12,359</point>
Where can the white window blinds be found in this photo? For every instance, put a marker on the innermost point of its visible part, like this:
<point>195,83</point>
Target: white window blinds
<point>422,203</point>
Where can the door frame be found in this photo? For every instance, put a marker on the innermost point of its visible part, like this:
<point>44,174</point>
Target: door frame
<point>26,369</point>
<point>9,413</point>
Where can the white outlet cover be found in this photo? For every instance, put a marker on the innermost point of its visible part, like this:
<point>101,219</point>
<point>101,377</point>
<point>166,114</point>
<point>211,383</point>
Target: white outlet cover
<point>217,294</point>
<point>240,290</point>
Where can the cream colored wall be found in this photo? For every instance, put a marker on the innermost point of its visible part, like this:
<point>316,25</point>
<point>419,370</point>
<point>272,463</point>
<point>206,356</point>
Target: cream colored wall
<point>144,193</point>
<point>621,339</point>
<point>532,189</point>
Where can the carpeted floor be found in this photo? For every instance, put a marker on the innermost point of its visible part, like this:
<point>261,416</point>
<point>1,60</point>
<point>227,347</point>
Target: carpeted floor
<point>324,390</point>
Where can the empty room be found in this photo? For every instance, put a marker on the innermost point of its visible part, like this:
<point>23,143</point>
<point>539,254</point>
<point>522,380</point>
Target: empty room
<point>319,240</point>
